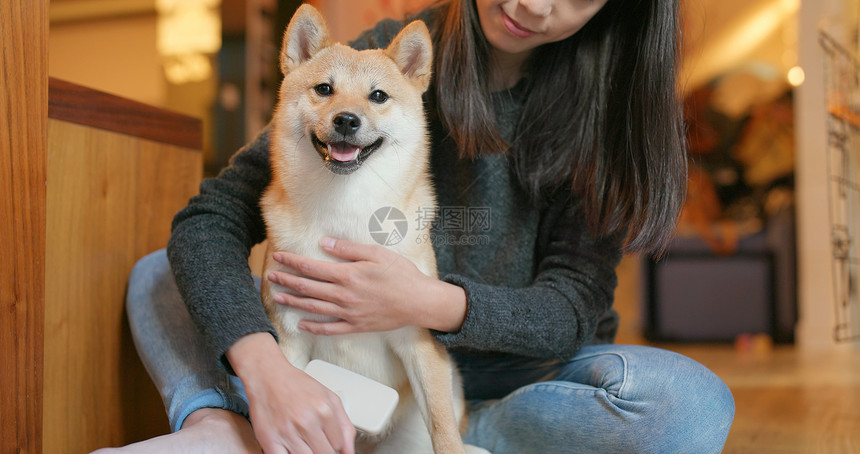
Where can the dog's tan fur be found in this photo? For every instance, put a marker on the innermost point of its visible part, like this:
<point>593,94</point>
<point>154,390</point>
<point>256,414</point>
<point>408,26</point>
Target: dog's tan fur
<point>306,200</point>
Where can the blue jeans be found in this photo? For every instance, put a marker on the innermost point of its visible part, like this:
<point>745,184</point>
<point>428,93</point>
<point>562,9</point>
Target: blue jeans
<point>607,399</point>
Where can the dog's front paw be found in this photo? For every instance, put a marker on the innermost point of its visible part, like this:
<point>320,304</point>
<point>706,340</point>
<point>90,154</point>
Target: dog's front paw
<point>475,450</point>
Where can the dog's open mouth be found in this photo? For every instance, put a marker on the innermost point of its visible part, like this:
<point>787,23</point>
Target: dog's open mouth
<point>343,157</point>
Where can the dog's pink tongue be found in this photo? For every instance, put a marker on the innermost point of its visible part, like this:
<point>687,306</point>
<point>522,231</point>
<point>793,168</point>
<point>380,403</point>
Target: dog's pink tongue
<point>342,152</point>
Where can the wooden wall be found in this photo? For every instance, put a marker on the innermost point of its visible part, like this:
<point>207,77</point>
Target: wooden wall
<point>117,173</point>
<point>73,220</point>
<point>23,135</point>
<point>87,187</point>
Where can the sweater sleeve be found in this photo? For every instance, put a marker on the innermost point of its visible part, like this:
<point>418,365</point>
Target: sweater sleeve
<point>209,247</point>
<point>559,313</point>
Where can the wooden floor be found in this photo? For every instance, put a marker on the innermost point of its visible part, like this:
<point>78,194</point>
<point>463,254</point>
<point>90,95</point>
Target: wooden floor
<point>787,401</point>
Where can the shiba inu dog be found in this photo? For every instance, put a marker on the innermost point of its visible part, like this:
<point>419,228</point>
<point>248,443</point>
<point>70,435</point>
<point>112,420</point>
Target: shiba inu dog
<point>349,137</point>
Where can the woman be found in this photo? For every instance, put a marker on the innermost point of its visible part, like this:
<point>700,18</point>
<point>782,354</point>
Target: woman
<point>559,119</point>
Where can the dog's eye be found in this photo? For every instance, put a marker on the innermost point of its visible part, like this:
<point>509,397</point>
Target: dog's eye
<point>379,96</point>
<point>323,89</point>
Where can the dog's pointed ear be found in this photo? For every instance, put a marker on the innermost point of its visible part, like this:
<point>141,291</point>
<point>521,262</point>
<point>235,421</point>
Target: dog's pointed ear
<point>306,35</point>
<point>412,51</point>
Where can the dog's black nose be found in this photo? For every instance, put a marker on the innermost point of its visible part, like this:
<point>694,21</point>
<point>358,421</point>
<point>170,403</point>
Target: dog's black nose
<point>346,123</point>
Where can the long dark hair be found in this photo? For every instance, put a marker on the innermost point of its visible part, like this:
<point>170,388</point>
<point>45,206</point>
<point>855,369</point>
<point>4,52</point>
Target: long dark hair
<point>600,113</point>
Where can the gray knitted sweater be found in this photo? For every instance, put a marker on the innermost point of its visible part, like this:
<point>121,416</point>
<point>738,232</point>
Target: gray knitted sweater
<point>539,286</point>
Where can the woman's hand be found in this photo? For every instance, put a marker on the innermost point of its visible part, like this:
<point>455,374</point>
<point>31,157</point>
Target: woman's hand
<point>376,289</point>
<point>290,411</point>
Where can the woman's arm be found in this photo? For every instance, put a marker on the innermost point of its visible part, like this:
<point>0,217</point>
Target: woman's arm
<point>209,248</point>
<point>558,313</point>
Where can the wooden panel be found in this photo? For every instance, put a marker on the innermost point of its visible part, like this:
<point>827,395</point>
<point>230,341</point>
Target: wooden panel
<point>81,105</point>
<point>23,115</point>
<point>111,198</point>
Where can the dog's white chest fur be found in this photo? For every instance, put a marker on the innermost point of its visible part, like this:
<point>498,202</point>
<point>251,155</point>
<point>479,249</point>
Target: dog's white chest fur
<point>366,353</point>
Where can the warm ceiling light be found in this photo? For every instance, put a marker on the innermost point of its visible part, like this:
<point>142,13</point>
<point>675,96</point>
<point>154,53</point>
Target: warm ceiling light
<point>796,76</point>
<point>189,31</point>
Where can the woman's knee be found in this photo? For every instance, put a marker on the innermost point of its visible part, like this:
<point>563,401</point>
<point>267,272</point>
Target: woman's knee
<point>664,401</point>
<point>688,405</point>
<point>149,280</point>
<point>666,404</point>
